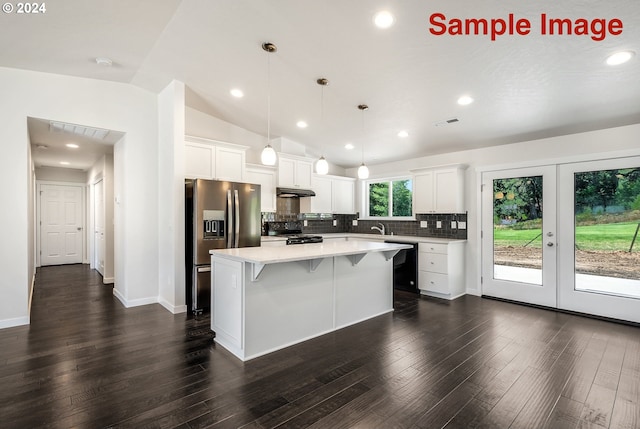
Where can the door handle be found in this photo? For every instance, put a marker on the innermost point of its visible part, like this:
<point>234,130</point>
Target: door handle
<point>229,219</point>
<point>79,228</point>
<point>237,223</point>
<point>550,244</point>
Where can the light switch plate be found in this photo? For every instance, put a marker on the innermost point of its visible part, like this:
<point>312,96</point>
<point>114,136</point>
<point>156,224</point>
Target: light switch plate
<point>462,225</point>
<point>354,222</point>
<point>424,224</point>
<point>454,224</point>
<point>335,222</point>
<point>438,224</point>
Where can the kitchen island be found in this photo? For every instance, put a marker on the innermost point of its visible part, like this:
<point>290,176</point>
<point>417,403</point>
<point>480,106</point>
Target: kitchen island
<point>268,298</point>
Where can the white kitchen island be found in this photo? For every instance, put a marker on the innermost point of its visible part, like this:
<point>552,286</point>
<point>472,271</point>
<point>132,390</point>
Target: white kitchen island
<point>268,298</point>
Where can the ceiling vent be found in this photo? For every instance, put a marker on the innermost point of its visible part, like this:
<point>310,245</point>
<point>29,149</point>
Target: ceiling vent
<point>446,122</point>
<point>94,133</point>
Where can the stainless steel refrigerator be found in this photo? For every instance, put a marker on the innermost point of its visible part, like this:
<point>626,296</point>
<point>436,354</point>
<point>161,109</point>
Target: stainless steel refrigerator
<point>218,215</point>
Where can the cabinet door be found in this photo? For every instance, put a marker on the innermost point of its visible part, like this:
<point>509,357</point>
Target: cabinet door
<point>199,161</point>
<point>343,193</point>
<point>304,171</point>
<point>447,191</point>
<point>423,194</point>
<point>286,172</point>
<point>321,203</point>
<point>229,164</point>
<point>267,181</point>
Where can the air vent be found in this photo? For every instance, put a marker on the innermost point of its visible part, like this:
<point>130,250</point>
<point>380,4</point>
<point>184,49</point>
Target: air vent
<point>446,122</point>
<point>95,133</point>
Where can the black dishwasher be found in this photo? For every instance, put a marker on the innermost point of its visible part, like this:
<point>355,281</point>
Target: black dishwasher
<point>405,268</point>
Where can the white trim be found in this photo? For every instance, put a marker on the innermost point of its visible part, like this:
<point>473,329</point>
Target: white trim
<point>33,285</point>
<point>174,309</point>
<point>10,323</point>
<point>478,233</point>
<point>134,302</point>
<point>205,141</point>
<point>600,156</point>
<point>108,280</point>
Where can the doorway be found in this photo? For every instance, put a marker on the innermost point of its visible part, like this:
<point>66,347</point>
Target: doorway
<point>99,227</point>
<point>565,236</point>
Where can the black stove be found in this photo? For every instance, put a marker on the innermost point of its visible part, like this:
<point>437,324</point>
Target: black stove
<point>304,239</point>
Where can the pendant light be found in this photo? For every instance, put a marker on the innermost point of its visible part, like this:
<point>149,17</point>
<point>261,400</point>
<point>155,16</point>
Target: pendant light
<point>322,166</point>
<point>363,171</point>
<point>268,156</point>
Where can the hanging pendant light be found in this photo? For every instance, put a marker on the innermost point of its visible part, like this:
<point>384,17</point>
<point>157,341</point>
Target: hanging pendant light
<point>363,171</point>
<point>268,156</point>
<point>322,166</point>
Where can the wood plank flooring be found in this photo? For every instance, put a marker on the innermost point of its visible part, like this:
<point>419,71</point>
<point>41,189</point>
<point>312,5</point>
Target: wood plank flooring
<point>87,362</point>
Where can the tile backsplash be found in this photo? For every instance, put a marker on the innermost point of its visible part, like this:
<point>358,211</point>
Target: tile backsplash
<point>317,225</point>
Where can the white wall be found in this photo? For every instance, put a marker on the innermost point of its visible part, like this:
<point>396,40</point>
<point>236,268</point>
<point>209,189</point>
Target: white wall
<point>200,124</point>
<point>55,174</point>
<point>171,117</point>
<point>88,102</point>
<point>536,152</point>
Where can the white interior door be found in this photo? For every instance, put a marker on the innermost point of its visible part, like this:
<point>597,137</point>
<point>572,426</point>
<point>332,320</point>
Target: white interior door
<point>61,224</point>
<point>599,260</point>
<point>518,235</point>
<point>99,226</point>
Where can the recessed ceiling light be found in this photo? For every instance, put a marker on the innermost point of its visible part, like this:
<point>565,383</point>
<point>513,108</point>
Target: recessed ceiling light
<point>301,124</point>
<point>465,100</point>
<point>349,146</point>
<point>237,93</point>
<point>64,163</point>
<point>103,61</point>
<point>403,134</point>
<point>383,19</point>
<point>72,145</point>
<point>619,57</point>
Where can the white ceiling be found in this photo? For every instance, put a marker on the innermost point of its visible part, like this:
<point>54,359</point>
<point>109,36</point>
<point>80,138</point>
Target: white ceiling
<point>525,87</point>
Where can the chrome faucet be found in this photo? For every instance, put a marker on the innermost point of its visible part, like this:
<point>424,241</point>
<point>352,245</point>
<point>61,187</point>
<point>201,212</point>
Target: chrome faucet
<point>380,229</point>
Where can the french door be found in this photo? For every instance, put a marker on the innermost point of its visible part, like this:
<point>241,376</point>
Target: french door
<point>565,236</point>
<point>518,235</point>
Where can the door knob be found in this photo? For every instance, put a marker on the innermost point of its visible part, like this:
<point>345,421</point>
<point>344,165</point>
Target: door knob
<point>549,234</point>
<point>550,244</point>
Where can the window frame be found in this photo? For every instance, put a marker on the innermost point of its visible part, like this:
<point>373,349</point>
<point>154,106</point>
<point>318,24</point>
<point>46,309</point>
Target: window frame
<point>365,198</point>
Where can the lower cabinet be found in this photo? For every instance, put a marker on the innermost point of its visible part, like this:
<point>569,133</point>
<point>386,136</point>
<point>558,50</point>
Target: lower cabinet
<point>441,269</point>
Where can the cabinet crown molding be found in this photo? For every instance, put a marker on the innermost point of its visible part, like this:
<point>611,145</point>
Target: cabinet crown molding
<point>438,167</point>
<point>219,143</point>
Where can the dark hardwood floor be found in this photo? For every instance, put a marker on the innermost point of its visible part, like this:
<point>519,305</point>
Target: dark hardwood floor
<point>87,362</point>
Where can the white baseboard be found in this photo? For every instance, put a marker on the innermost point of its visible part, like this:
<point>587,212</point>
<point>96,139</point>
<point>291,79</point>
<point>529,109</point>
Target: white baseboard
<point>10,323</point>
<point>108,280</point>
<point>134,302</point>
<point>175,309</point>
<point>475,292</point>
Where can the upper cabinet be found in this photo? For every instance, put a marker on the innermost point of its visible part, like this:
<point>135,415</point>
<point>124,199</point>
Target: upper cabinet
<point>439,189</point>
<point>334,194</point>
<point>294,172</point>
<point>266,178</point>
<point>211,159</point>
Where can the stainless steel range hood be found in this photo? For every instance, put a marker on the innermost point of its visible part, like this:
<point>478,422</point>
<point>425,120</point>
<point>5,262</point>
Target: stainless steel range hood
<point>294,193</point>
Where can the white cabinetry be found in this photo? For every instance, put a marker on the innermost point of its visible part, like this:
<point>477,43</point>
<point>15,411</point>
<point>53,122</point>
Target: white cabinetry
<point>294,172</point>
<point>439,190</point>
<point>211,159</point>
<point>266,178</point>
<point>441,269</point>
<point>334,194</point>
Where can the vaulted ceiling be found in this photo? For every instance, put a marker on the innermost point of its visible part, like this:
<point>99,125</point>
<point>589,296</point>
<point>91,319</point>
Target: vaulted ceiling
<point>524,86</point>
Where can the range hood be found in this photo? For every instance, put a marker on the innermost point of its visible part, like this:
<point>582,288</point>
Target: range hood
<point>294,193</point>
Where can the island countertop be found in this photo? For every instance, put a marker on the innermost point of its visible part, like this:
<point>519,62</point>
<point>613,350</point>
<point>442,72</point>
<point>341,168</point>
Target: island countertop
<point>301,252</point>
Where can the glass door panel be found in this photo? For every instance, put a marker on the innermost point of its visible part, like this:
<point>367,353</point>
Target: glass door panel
<point>599,206</point>
<point>518,228</point>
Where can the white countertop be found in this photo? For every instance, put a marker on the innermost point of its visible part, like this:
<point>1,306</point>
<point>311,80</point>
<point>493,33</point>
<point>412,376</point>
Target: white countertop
<point>301,252</point>
<point>375,237</point>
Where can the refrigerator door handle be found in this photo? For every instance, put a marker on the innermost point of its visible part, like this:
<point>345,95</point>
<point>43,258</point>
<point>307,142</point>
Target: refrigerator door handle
<point>237,222</point>
<point>204,269</point>
<point>229,220</point>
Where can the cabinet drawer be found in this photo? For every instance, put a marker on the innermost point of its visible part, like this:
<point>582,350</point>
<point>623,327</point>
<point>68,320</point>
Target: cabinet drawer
<point>434,262</point>
<point>434,282</point>
<point>433,247</point>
